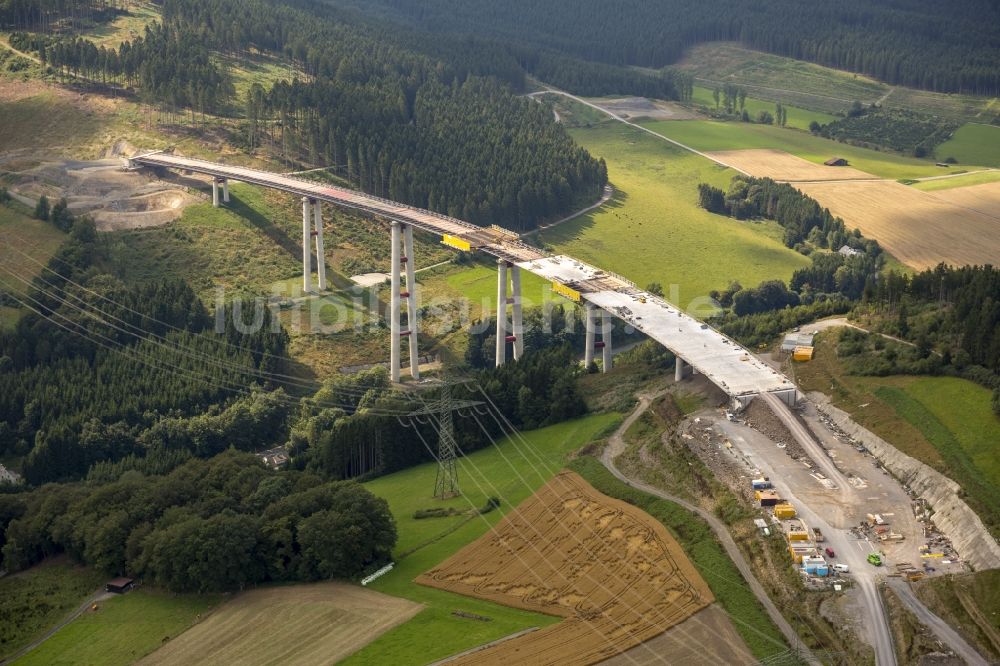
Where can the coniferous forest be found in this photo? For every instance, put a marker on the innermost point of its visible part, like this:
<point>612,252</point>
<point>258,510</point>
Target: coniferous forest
<point>942,46</point>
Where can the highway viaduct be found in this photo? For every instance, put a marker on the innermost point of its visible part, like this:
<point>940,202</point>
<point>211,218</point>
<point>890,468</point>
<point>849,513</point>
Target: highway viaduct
<point>602,293</point>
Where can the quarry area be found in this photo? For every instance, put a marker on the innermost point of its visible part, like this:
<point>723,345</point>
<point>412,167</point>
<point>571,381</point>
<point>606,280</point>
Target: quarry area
<point>115,199</point>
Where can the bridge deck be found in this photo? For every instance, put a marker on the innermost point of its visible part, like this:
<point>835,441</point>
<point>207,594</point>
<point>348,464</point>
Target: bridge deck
<point>723,361</point>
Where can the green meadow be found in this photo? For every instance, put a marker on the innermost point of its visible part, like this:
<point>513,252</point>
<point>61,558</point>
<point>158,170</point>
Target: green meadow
<point>653,230</point>
<point>797,116</point>
<point>709,135</point>
<point>973,143</point>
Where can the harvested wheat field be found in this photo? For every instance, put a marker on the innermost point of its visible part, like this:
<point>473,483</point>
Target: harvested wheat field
<point>707,638</point>
<point>615,574</point>
<point>779,165</point>
<point>298,624</point>
<point>984,198</point>
<point>921,229</point>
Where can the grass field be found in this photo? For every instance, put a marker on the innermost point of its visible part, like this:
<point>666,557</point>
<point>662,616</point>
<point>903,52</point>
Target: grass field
<point>973,144</point>
<point>944,422</point>
<point>477,286</point>
<point>653,230</point>
<point>239,248</point>
<point>34,600</point>
<point>319,623</point>
<point>797,116</point>
<point>265,70</point>
<point>776,78</point>
<point>20,233</point>
<point>730,590</point>
<point>965,180</point>
<point>713,135</point>
<point>125,27</point>
<point>122,629</point>
<point>508,471</point>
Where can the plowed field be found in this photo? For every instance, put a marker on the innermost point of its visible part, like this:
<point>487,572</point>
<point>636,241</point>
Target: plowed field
<point>615,574</point>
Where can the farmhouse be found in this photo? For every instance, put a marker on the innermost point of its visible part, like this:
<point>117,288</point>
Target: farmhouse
<point>836,161</point>
<point>119,585</point>
<point>848,251</point>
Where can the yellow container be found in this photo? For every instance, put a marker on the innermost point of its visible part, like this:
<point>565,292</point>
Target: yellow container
<point>784,511</point>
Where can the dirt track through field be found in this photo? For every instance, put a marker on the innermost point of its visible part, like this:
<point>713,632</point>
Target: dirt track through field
<point>615,574</point>
<point>921,229</point>
<point>779,165</point>
<point>298,624</point>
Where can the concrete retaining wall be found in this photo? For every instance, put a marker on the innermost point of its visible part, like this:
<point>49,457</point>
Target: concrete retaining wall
<point>952,515</point>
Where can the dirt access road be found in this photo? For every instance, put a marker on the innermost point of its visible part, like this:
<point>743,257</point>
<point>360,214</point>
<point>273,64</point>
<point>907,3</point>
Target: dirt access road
<point>616,446</point>
<point>941,629</point>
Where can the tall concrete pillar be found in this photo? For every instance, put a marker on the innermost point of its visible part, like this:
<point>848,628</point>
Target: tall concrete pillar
<point>606,326</point>
<point>501,349</point>
<point>225,190</point>
<point>678,369</point>
<point>590,324</point>
<point>215,192</point>
<point>516,314</point>
<point>320,252</point>
<point>394,305</point>
<point>411,300</point>
<point>306,250</point>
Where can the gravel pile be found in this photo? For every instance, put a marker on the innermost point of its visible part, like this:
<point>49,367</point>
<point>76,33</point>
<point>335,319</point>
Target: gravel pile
<point>760,417</point>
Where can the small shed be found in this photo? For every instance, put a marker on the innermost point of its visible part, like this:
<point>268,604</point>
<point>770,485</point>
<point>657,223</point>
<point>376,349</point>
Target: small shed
<point>836,161</point>
<point>120,585</point>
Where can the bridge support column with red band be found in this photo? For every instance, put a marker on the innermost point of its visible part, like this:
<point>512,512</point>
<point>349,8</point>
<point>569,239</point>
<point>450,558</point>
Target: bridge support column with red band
<point>501,346</point>
<point>320,253</point>
<point>402,233</point>
<point>306,250</point>
<point>589,326</point>
<point>411,300</point>
<point>606,326</point>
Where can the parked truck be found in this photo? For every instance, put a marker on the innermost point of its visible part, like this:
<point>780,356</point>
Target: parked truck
<point>818,535</point>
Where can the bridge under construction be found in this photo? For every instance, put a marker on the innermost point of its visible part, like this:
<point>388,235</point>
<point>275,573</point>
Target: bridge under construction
<point>603,294</point>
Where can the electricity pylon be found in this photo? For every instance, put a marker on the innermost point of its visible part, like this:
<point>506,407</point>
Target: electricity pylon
<point>442,410</point>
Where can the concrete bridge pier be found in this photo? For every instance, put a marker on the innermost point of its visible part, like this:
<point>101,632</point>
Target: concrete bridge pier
<point>225,190</point>
<point>516,311</point>
<point>678,368</point>
<point>501,342</point>
<point>607,325</point>
<point>306,237</point>
<point>320,254</point>
<point>589,325</point>
<point>215,192</point>
<point>402,232</point>
<point>411,300</point>
<point>514,300</point>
